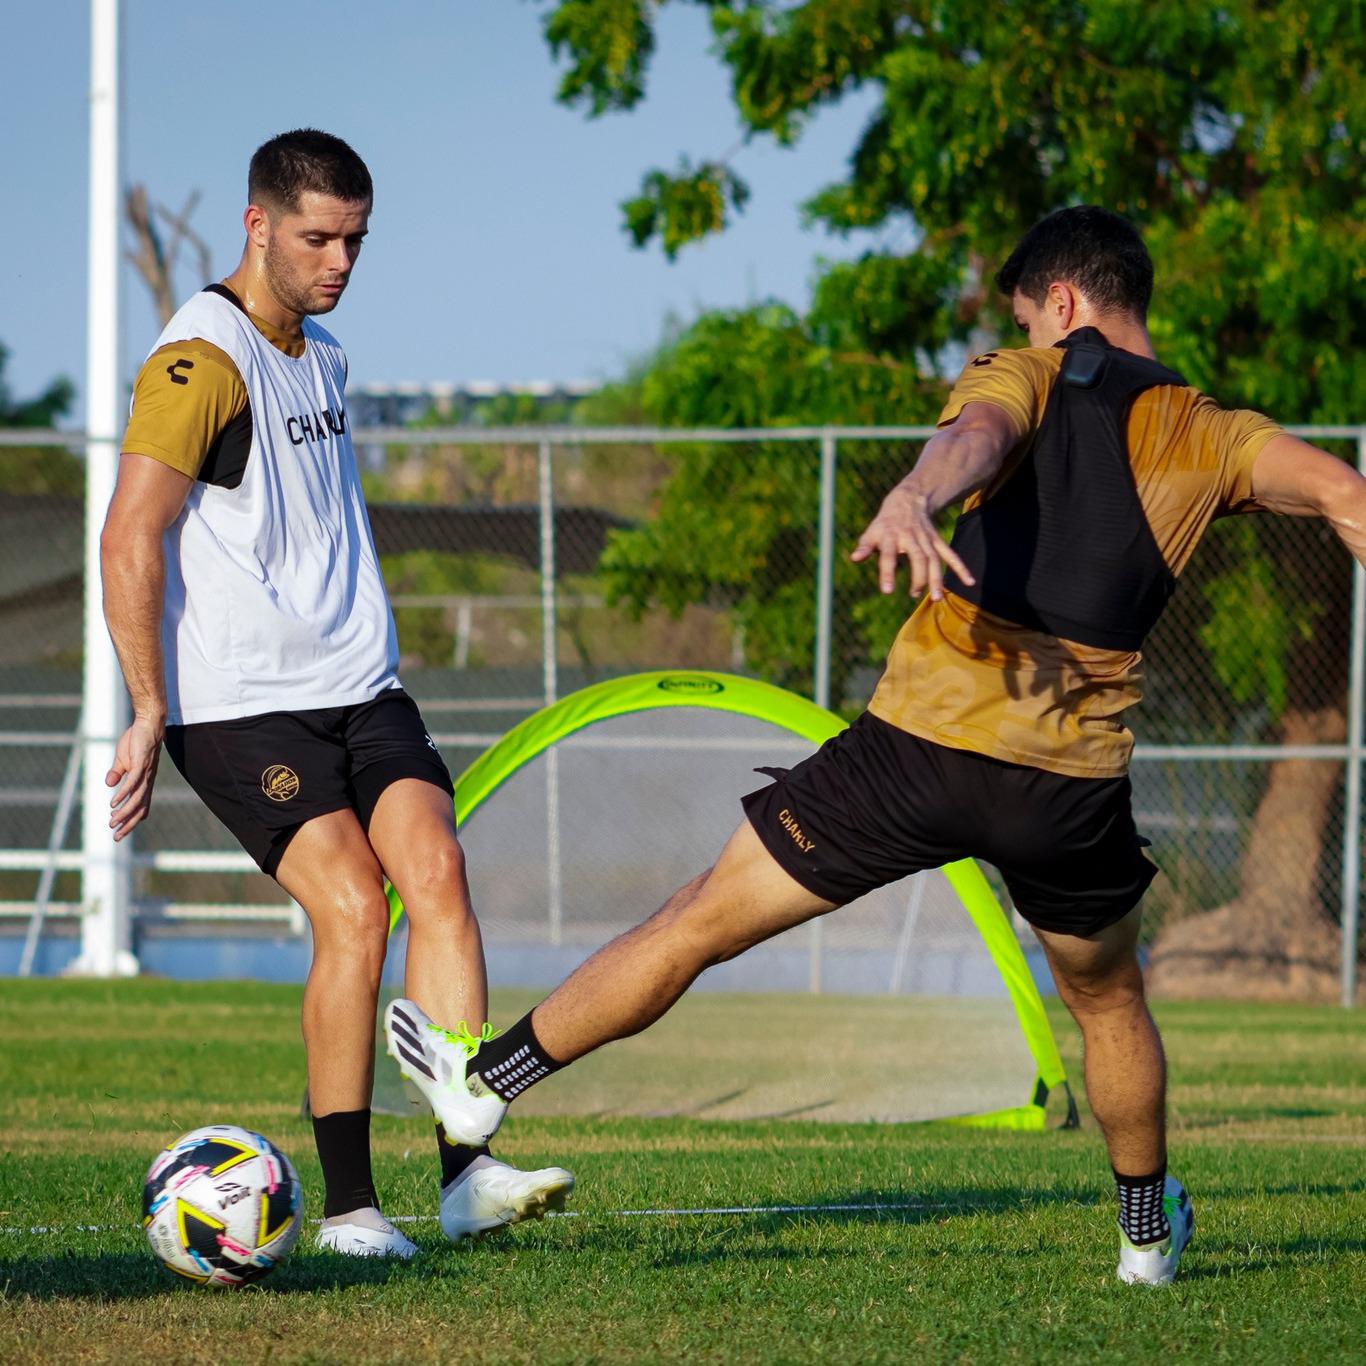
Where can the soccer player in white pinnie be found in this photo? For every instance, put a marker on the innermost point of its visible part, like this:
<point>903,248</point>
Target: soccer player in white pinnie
<point>243,594</point>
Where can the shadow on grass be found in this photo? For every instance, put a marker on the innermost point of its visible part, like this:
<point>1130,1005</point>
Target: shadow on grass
<point>1218,1258</point>
<point>847,1209</point>
<point>116,1276</point>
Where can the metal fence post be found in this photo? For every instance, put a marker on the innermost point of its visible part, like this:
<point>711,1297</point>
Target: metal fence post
<point>1351,815</point>
<point>825,618</point>
<point>106,878</point>
<point>550,691</point>
<point>825,572</point>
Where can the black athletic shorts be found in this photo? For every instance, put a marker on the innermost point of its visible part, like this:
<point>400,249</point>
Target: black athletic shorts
<point>264,776</point>
<point>876,804</point>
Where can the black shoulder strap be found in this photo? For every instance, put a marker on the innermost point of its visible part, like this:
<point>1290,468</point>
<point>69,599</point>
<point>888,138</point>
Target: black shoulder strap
<point>224,292</point>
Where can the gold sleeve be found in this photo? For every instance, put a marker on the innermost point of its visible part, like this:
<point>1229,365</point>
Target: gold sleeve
<point>1017,381</point>
<point>183,397</point>
<point>1238,435</point>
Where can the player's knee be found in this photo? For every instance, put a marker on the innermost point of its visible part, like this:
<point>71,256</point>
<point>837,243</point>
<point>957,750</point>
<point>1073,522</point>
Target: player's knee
<point>435,886</point>
<point>707,922</point>
<point>1088,996</point>
<point>355,926</point>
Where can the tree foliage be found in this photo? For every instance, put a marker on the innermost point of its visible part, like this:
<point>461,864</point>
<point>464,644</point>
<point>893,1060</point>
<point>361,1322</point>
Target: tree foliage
<point>33,469</point>
<point>43,411</point>
<point>1231,132</point>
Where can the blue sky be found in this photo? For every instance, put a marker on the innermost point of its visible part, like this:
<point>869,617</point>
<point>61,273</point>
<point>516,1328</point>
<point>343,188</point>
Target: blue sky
<point>496,250</point>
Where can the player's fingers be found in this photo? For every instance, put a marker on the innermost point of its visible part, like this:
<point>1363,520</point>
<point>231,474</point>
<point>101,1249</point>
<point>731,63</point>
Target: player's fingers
<point>916,560</point>
<point>950,558</point>
<point>934,577</point>
<point>135,782</point>
<point>886,563</point>
<point>125,819</point>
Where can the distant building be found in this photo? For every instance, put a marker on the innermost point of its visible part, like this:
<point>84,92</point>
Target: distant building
<point>396,405</point>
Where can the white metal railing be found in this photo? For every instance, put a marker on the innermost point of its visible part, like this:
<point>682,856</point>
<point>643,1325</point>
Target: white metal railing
<point>545,441</point>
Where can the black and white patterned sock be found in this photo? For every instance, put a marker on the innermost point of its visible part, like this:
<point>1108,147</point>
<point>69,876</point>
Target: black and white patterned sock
<point>1141,1215</point>
<point>513,1061</point>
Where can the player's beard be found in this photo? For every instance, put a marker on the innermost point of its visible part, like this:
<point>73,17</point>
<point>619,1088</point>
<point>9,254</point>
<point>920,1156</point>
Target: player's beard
<point>289,288</point>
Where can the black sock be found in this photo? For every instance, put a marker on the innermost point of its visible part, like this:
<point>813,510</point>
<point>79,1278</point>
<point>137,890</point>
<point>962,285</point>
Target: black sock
<point>343,1140</point>
<point>455,1157</point>
<point>513,1061</point>
<point>1141,1215</point>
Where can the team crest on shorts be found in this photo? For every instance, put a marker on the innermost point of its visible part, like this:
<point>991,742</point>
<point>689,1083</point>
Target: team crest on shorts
<point>280,783</point>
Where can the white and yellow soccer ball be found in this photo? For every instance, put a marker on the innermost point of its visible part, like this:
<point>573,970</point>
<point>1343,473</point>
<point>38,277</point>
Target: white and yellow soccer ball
<point>222,1206</point>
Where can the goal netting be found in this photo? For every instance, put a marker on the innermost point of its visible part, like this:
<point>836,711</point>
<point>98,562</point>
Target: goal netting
<point>913,1003</point>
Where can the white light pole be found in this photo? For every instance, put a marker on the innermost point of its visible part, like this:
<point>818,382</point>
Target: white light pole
<point>106,937</point>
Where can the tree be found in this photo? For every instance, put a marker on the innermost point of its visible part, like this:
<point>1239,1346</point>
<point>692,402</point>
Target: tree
<point>157,255</point>
<point>54,402</point>
<point>1230,130</point>
<point>33,469</point>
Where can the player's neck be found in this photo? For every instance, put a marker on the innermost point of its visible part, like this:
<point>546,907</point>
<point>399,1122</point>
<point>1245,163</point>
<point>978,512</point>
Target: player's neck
<point>248,282</point>
<point>1125,333</point>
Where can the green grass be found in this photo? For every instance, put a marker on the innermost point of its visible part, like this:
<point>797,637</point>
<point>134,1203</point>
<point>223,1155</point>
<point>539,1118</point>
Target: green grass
<point>1005,1253</point>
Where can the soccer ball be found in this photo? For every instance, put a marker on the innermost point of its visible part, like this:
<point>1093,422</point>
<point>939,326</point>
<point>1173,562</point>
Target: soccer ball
<point>222,1206</point>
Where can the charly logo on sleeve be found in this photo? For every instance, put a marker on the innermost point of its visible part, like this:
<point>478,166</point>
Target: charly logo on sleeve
<point>280,783</point>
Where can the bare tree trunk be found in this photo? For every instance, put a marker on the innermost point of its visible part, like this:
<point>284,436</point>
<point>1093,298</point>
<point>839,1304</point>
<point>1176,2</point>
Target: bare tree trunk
<point>1274,941</point>
<point>155,259</point>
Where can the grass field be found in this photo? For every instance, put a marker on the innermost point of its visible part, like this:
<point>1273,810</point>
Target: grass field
<point>1001,1249</point>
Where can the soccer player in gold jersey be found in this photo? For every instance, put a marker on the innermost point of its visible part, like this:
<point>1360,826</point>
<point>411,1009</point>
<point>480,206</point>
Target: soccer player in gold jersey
<point>1090,472</point>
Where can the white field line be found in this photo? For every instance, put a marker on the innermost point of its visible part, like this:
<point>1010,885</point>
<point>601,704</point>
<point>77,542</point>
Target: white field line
<point>561,1214</point>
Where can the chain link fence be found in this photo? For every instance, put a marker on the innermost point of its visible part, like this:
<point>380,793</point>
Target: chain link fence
<point>524,564</point>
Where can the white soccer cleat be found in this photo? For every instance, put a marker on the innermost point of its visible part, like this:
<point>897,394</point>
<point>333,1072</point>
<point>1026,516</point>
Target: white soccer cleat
<point>376,1237</point>
<point>435,1061</point>
<point>489,1194</point>
<point>1155,1263</point>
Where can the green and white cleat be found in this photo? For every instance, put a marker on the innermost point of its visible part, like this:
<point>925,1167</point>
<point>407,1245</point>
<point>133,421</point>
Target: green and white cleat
<point>1155,1263</point>
<point>489,1195</point>
<point>436,1060</point>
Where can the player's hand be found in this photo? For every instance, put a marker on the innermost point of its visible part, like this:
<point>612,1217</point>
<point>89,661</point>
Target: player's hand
<point>903,526</point>
<point>135,770</point>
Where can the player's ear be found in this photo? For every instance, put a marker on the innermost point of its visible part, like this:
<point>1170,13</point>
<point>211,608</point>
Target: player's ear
<point>256,221</point>
<point>1061,301</point>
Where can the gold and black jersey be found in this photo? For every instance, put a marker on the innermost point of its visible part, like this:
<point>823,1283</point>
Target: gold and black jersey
<point>967,678</point>
<point>190,408</point>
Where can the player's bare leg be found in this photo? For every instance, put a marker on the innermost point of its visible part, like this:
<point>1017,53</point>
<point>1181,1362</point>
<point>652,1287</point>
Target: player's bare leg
<point>1101,983</point>
<point>331,871</point>
<point>628,984</point>
<point>625,987</point>
<point>413,834</point>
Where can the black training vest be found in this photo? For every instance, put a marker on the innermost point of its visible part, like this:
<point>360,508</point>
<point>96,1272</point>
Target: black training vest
<point>1063,546</point>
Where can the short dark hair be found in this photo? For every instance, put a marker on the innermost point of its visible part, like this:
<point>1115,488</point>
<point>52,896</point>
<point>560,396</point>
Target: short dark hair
<point>1096,250</point>
<point>293,163</point>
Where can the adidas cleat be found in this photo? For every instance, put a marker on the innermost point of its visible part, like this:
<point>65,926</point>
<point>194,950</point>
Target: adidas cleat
<point>1155,1263</point>
<point>376,1237</point>
<point>489,1195</point>
<point>436,1060</point>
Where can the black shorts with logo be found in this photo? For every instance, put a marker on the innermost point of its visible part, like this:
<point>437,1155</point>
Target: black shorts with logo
<point>264,776</point>
<point>875,804</point>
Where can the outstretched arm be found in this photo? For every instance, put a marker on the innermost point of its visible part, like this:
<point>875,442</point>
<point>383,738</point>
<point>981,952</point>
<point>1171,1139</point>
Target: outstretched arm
<point>147,499</point>
<point>1295,478</point>
<point>956,461</point>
